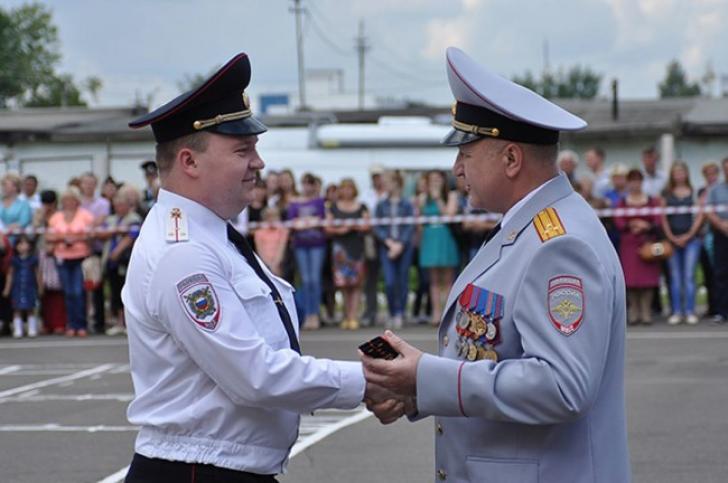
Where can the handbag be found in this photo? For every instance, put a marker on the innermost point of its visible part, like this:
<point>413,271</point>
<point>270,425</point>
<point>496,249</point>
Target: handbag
<point>91,268</point>
<point>655,251</point>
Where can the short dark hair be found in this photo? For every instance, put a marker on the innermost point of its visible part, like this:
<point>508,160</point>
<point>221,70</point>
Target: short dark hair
<point>599,151</point>
<point>167,151</point>
<point>308,178</point>
<point>48,196</point>
<point>635,174</point>
<point>31,177</point>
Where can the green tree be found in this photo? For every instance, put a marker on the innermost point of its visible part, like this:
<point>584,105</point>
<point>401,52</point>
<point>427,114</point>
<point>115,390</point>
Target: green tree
<point>676,83</point>
<point>28,50</point>
<point>575,83</point>
<point>29,53</point>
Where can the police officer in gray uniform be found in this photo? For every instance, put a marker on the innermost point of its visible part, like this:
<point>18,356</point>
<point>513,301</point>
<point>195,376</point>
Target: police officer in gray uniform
<point>528,384</point>
<point>219,379</point>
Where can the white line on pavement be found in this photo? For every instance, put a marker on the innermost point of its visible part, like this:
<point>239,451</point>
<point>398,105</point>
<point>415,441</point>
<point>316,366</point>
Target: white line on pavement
<point>327,431</point>
<point>116,477</point>
<point>27,397</point>
<point>8,370</point>
<point>56,380</point>
<point>47,344</point>
<point>681,335</point>
<point>52,427</point>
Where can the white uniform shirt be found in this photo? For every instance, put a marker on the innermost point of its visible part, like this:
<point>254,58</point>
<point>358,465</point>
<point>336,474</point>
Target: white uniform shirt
<point>215,380</point>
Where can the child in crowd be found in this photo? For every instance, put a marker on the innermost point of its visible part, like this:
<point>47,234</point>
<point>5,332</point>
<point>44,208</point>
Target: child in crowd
<point>271,241</point>
<point>23,283</point>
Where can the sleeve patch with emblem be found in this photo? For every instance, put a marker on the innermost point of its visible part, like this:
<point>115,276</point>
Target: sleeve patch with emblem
<point>566,303</point>
<point>200,301</point>
<point>548,224</point>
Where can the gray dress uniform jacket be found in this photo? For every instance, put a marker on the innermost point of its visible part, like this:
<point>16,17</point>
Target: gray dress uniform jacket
<point>552,408</point>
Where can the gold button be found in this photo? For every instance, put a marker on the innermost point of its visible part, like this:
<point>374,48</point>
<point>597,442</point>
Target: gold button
<point>439,428</point>
<point>441,475</point>
<point>445,341</point>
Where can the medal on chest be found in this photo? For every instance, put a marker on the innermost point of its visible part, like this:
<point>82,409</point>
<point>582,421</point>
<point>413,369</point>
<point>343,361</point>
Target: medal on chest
<point>477,323</point>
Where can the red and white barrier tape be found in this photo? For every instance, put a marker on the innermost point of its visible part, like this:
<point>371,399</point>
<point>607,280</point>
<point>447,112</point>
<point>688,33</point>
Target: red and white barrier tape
<point>423,220</point>
<point>401,220</point>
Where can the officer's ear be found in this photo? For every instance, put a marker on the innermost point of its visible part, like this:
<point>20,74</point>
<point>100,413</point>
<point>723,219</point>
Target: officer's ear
<point>186,160</point>
<point>512,156</point>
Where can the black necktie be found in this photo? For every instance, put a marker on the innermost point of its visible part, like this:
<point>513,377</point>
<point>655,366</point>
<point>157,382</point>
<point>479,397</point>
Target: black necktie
<point>492,233</point>
<point>244,248</point>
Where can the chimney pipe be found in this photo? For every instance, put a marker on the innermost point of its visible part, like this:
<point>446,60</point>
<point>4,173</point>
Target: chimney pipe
<point>615,99</point>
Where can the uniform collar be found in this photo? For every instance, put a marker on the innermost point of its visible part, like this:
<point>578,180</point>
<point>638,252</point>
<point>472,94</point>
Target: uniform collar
<point>514,209</point>
<point>522,213</point>
<point>201,215</point>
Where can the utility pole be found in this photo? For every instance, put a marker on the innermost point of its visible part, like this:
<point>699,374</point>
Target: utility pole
<point>361,48</point>
<point>546,60</point>
<point>298,10</point>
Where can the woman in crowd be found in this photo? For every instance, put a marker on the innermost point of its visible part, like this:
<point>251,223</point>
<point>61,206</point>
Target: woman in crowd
<point>256,207</point>
<point>328,289</point>
<point>287,191</point>
<point>395,247</point>
<point>711,175</point>
<point>309,246</point>
<point>285,194</point>
<point>69,231</point>
<point>52,305</point>
<point>683,232</point>
<point>108,190</point>
<point>15,213</point>
<point>422,305</point>
<point>438,250</point>
<point>641,277</point>
<point>271,240</point>
<point>347,249</point>
<point>123,229</point>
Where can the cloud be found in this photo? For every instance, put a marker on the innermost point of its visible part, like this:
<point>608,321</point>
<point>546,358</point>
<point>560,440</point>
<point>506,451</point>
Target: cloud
<point>146,46</point>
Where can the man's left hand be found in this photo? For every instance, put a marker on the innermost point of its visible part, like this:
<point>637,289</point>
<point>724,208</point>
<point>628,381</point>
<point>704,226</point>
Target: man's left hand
<point>398,375</point>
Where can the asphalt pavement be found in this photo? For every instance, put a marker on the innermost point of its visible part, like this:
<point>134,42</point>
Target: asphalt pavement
<point>63,402</point>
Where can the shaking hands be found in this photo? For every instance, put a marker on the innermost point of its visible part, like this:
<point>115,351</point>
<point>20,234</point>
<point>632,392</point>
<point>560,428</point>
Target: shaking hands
<point>391,388</point>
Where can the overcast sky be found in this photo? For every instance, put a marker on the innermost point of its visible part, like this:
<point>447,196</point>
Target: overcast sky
<point>147,46</point>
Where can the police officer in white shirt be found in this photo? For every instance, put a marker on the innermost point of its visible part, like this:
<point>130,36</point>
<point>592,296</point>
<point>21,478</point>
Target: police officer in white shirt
<point>218,377</point>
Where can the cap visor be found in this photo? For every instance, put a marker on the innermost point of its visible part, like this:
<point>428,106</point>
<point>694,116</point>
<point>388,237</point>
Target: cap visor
<point>457,137</point>
<point>249,126</point>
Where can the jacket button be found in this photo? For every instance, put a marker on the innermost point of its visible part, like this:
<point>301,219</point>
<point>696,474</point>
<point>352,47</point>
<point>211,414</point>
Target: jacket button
<point>439,428</point>
<point>441,475</point>
<point>445,341</point>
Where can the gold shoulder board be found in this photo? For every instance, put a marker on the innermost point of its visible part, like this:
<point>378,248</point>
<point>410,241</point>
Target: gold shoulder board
<point>548,224</point>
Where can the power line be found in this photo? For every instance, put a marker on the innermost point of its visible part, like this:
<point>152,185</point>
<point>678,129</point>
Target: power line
<point>324,37</point>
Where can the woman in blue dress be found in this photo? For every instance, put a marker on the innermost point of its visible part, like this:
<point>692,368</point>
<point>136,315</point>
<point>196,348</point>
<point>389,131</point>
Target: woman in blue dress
<point>438,250</point>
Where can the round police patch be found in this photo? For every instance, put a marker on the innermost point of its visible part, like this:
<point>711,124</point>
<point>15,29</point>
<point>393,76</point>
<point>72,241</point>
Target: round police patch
<point>566,303</point>
<point>200,301</point>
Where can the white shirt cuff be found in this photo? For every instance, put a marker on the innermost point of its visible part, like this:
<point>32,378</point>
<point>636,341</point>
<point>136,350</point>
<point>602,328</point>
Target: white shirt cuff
<point>351,391</point>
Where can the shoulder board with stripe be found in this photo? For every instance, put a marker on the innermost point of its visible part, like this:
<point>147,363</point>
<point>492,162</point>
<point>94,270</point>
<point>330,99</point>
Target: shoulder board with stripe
<point>548,224</point>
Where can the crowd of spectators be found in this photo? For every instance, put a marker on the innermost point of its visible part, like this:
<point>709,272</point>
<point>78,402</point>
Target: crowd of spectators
<point>63,256</point>
<point>66,275</point>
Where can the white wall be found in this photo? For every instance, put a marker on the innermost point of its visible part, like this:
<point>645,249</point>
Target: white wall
<point>55,163</point>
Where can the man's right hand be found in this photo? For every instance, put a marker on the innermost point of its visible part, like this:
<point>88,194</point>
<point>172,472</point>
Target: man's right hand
<point>386,406</point>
